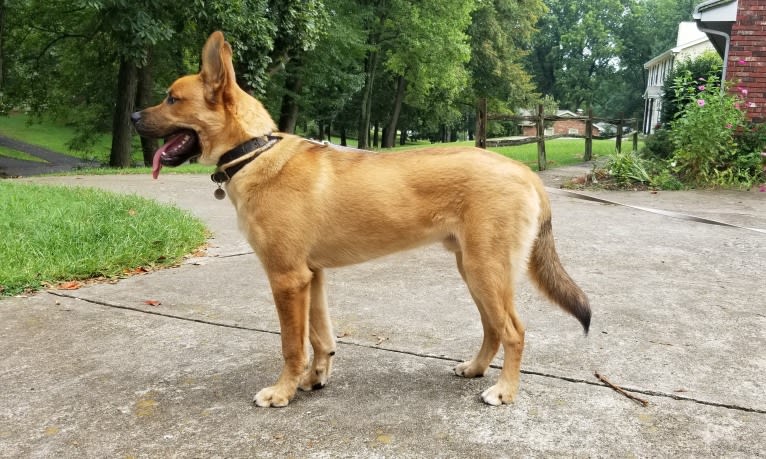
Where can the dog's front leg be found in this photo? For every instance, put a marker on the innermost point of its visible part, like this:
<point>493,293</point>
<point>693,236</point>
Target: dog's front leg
<point>321,337</point>
<point>291,291</point>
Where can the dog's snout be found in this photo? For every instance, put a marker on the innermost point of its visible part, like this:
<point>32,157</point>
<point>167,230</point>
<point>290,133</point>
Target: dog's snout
<point>135,117</point>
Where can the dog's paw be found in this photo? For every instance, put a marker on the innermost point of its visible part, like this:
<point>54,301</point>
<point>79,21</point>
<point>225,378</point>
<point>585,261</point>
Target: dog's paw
<point>498,394</point>
<point>469,370</point>
<point>273,396</point>
<point>314,379</point>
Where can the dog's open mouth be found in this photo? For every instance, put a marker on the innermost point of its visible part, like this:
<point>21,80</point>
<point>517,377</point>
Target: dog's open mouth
<point>178,148</point>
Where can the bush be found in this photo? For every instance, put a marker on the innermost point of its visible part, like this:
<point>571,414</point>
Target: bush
<point>627,167</point>
<point>714,145</point>
<point>706,64</point>
<point>658,145</point>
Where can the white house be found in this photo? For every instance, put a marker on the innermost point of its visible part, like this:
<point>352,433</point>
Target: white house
<point>690,43</point>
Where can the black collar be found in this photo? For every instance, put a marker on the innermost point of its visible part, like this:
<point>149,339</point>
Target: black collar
<point>255,146</point>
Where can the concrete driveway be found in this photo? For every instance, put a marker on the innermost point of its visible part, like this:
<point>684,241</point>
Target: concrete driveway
<point>679,321</point>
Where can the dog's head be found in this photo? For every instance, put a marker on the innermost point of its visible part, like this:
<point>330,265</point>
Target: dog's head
<point>205,114</point>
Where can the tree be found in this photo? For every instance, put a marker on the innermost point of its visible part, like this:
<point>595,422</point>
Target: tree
<point>590,53</point>
<point>500,32</point>
<point>426,53</point>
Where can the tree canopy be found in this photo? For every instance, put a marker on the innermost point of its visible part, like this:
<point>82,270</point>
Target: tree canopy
<point>373,69</point>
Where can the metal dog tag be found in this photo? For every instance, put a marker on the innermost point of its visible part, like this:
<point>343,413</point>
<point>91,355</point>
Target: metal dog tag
<point>219,193</point>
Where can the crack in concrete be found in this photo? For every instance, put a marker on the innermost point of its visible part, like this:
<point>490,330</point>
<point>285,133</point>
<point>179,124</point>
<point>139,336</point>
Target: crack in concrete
<point>421,355</point>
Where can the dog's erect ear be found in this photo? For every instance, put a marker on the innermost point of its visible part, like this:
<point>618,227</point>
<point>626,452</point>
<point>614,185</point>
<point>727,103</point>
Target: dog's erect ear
<point>217,70</point>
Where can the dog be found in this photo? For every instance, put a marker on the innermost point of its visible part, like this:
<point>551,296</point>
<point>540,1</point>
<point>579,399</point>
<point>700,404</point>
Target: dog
<point>305,206</point>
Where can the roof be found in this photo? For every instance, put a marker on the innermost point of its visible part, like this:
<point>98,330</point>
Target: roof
<point>716,17</point>
<point>687,38</point>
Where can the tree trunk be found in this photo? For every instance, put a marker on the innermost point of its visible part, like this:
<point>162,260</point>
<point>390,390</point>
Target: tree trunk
<point>343,139</point>
<point>401,86</point>
<point>403,137</point>
<point>127,82</point>
<point>2,44</point>
<point>143,100</point>
<point>370,65</point>
<point>288,113</point>
<point>375,135</point>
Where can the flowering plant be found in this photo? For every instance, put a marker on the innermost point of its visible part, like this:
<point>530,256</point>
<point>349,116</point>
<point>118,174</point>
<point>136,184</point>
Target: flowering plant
<point>708,134</point>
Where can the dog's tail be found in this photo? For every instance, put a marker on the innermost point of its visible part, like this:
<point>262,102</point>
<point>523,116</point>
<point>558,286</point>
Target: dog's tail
<point>550,277</point>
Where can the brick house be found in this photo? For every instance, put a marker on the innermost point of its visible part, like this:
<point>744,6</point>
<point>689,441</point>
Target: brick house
<point>737,29</point>
<point>562,127</point>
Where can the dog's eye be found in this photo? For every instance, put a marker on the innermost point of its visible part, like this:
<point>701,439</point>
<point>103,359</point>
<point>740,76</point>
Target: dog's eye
<point>171,100</point>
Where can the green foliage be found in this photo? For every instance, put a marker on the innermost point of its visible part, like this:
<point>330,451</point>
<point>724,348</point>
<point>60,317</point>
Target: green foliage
<point>707,63</point>
<point>706,131</point>
<point>53,234</point>
<point>591,54</point>
<point>658,145</point>
<point>627,167</point>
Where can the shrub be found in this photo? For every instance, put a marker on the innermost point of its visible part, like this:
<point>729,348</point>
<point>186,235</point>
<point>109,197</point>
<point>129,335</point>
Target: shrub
<point>704,65</point>
<point>658,145</point>
<point>714,145</point>
<point>627,167</point>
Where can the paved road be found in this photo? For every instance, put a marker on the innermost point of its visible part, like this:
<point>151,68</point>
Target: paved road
<point>678,321</point>
<point>55,162</point>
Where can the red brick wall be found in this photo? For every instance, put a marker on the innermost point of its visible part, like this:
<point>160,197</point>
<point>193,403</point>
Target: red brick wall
<point>561,127</point>
<point>747,56</point>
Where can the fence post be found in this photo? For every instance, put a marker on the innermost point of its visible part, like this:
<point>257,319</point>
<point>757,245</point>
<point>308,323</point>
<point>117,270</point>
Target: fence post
<point>589,136</point>
<point>481,123</point>
<point>541,161</point>
<point>618,146</point>
<point>635,137</point>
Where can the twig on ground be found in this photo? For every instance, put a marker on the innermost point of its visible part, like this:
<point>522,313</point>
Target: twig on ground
<point>621,390</point>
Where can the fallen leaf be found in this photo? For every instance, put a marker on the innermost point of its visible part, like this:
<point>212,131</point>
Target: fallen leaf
<point>153,302</point>
<point>72,285</point>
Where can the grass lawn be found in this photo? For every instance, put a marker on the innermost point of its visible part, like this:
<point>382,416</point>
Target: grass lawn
<point>559,152</point>
<point>54,136</point>
<point>10,153</point>
<point>53,234</point>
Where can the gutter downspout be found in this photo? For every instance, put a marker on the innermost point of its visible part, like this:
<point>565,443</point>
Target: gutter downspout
<point>726,37</point>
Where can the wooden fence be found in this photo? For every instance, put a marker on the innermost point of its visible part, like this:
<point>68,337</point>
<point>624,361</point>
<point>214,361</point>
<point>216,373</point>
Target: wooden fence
<point>539,120</point>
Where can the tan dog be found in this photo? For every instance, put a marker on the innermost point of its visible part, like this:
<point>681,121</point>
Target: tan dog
<point>306,206</point>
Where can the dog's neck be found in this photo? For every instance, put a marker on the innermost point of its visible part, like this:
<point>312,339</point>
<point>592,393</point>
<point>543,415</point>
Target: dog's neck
<point>238,157</point>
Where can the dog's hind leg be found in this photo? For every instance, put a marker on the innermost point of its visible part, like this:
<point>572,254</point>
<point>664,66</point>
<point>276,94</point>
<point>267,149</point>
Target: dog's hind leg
<point>291,289</point>
<point>490,280</point>
<point>477,366</point>
<point>320,335</point>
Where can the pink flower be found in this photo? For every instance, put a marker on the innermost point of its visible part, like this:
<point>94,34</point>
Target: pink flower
<point>728,125</point>
<point>743,91</point>
<point>762,188</point>
<point>742,62</point>
<point>751,104</point>
<point>701,87</point>
<point>701,102</point>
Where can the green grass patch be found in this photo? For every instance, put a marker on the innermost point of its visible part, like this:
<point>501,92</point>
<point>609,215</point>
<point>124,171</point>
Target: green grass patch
<point>560,152</point>
<point>11,153</point>
<point>55,136</point>
<point>183,169</point>
<point>53,234</point>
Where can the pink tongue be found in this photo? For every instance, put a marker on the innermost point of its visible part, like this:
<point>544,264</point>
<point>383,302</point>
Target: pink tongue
<point>156,161</point>
<point>156,164</point>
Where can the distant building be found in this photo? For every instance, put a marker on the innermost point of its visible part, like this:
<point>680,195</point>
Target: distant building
<point>574,127</point>
<point>690,43</point>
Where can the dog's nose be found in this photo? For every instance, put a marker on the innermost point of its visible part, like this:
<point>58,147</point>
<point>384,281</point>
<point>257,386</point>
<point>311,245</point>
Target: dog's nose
<point>135,117</point>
